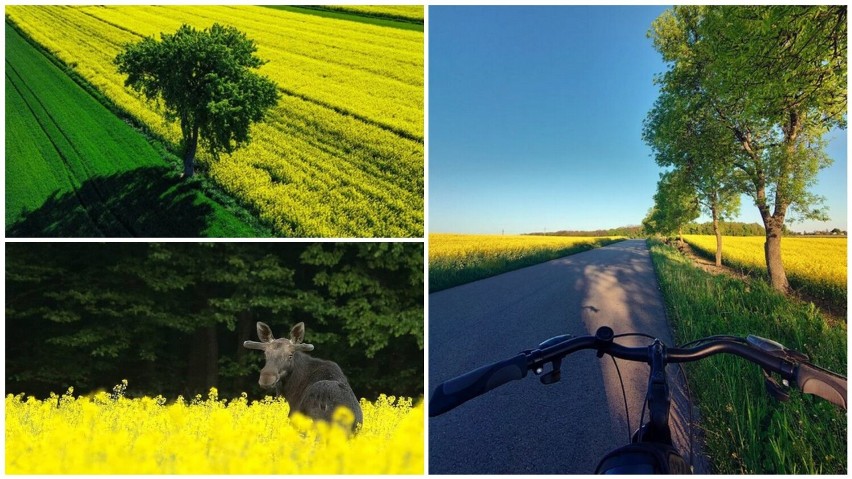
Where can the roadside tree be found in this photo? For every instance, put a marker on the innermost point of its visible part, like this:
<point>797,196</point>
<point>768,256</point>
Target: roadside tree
<point>684,134</point>
<point>775,77</point>
<point>675,205</point>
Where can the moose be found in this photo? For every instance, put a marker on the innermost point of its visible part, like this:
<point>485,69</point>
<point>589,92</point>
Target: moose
<point>314,387</point>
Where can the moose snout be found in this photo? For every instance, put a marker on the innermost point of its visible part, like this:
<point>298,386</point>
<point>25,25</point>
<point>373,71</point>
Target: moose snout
<point>267,379</point>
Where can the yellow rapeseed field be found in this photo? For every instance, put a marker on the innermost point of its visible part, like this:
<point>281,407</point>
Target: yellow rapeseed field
<point>101,434</point>
<point>818,265</point>
<point>456,258</point>
<point>459,247</point>
<point>342,153</point>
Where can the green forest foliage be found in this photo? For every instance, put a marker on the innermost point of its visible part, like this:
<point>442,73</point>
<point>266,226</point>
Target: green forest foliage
<point>171,318</point>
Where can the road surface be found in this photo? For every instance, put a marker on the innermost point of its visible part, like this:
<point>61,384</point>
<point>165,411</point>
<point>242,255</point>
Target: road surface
<point>525,426</point>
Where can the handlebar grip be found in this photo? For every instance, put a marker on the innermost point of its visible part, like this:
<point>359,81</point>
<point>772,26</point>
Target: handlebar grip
<point>456,391</point>
<point>821,382</point>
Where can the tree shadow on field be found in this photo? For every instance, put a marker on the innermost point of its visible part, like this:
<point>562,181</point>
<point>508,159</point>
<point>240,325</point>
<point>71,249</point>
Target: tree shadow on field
<point>146,202</point>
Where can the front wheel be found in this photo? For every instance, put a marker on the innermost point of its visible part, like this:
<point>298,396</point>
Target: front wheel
<point>643,458</point>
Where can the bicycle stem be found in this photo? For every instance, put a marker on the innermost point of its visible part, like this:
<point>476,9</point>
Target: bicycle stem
<point>659,399</point>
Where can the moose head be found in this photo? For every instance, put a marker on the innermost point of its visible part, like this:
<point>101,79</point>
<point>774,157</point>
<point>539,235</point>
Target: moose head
<point>279,352</point>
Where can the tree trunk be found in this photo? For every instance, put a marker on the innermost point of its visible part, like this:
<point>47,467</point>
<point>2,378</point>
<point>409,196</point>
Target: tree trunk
<point>203,361</point>
<point>189,155</point>
<point>718,233</point>
<point>773,222</point>
<point>245,327</point>
<point>772,250</point>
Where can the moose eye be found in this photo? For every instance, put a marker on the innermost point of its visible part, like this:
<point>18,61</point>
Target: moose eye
<point>290,357</point>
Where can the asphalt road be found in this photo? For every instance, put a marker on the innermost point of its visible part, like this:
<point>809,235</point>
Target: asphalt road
<point>525,426</point>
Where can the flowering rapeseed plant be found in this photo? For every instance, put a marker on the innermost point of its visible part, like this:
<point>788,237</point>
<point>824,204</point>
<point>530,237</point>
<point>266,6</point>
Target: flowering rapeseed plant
<point>110,434</point>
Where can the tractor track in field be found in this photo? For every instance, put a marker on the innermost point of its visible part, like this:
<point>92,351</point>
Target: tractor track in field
<point>73,179</point>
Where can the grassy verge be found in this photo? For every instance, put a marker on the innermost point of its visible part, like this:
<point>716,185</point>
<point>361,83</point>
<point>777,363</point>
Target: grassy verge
<point>746,431</point>
<point>476,257</point>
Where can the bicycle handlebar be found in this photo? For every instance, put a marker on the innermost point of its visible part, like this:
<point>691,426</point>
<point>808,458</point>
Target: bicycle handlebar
<point>810,379</point>
<point>476,383</point>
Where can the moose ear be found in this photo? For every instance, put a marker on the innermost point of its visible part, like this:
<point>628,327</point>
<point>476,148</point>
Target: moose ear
<point>264,332</point>
<point>297,334</point>
<point>305,347</point>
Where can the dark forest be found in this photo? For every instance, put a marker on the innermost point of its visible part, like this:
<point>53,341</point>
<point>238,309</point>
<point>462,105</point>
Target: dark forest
<point>171,318</point>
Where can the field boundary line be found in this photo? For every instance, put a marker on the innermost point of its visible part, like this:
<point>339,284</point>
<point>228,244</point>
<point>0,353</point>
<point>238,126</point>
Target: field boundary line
<point>833,311</point>
<point>114,25</point>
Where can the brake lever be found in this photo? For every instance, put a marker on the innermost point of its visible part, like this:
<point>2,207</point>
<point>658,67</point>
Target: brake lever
<point>555,373</point>
<point>779,391</point>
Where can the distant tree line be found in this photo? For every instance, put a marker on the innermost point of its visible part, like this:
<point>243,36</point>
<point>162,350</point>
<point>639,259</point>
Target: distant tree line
<point>628,231</point>
<point>171,318</point>
<point>831,232</point>
<point>728,228</point>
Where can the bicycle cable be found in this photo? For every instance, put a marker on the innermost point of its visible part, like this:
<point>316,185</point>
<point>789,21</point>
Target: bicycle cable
<point>624,395</point>
<point>642,416</point>
<point>691,423</point>
<point>645,402</point>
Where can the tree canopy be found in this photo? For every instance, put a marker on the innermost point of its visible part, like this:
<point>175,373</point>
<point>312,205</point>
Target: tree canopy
<point>684,135</point>
<point>675,204</point>
<point>205,81</point>
<point>171,318</point>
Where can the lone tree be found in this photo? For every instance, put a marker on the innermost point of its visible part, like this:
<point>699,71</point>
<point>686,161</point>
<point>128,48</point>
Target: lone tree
<point>204,79</point>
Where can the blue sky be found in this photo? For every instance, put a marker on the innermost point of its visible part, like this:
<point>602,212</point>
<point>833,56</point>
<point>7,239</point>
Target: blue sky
<point>535,121</point>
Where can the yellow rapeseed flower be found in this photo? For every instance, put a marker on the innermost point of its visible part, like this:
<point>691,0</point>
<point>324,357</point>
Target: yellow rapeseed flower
<point>99,434</point>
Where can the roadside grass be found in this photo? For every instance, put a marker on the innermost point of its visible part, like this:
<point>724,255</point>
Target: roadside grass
<point>458,259</point>
<point>746,431</point>
<point>75,169</point>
